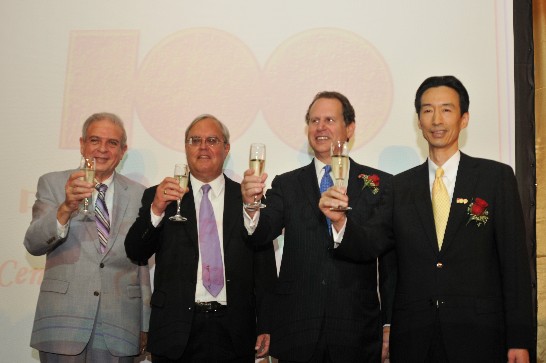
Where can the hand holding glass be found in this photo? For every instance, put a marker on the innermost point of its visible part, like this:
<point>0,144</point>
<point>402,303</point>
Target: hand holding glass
<point>339,154</point>
<point>181,174</point>
<point>256,163</point>
<point>88,165</point>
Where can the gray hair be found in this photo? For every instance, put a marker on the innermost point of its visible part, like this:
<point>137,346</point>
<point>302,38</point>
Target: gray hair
<point>225,131</point>
<point>105,116</point>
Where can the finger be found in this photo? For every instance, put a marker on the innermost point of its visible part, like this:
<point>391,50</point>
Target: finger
<point>248,172</point>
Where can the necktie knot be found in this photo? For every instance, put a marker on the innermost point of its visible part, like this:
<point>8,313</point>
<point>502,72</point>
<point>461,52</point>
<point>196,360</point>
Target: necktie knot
<point>205,188</point>
<point>101,188</point>
<point>439,173</point>
<point>327,169</point>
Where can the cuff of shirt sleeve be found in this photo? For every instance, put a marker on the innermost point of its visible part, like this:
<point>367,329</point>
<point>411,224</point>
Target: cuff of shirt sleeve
<point>251,222</point>
<point>338,236</point>
<point>156,219</point>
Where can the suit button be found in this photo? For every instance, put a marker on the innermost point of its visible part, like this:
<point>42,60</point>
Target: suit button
<point>323,282</point>
<point>96,293</point>
<point>439,265</point>
<point>101,265</point>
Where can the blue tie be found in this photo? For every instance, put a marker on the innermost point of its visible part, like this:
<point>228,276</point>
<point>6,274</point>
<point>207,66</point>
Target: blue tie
<point>325,183</point>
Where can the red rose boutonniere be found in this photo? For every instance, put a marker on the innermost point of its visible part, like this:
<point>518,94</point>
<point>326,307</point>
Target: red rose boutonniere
<point>477,210</point>
<point>370,181</point>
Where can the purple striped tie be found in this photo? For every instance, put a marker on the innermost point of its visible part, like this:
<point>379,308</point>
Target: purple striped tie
<point>102,217</point>
<point>209,244</point>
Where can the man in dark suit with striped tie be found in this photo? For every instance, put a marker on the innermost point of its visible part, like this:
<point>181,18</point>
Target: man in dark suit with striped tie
<point>326,309</point>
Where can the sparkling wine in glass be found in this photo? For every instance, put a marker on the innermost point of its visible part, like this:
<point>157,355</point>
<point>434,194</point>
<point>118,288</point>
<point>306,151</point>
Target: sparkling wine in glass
<point>339,154</point>
<point>256,163</point>
<point>181,174</point>
<point>88,165</point>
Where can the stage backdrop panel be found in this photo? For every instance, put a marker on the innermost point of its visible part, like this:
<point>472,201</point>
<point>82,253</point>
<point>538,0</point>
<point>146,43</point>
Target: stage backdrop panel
<point>255,65</point>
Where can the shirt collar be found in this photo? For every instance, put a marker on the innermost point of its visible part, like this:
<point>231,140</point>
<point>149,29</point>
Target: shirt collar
<point>319,166</point>
<point>450,167</point>
<point>217,185</point>
<point>109,180</point>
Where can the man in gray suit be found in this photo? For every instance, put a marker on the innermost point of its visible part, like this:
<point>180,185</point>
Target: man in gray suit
<point>92,302</point>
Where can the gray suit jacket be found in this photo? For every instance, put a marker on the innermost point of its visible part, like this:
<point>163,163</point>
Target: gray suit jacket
<point>80,284</point>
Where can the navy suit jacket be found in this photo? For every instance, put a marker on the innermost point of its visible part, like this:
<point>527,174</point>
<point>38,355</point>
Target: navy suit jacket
<point>478,285</point>
<point>315,290</point>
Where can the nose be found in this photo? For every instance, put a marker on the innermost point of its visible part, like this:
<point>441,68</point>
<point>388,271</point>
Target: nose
<point>436,118</point>
<point>102,147</point>
<point>203,144</point>
<point>321,124</point>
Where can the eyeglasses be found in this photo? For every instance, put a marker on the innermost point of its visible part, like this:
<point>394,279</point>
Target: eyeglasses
<point>197,141</point>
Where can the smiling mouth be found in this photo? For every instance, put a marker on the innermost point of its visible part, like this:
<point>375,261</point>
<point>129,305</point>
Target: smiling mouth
<point>322,138</point>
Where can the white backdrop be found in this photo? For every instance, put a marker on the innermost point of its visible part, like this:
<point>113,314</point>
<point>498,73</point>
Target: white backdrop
<point>255,65</point>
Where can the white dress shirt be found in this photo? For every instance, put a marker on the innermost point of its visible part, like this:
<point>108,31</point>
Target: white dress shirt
<point>450,173</point>
<point>216,196</point>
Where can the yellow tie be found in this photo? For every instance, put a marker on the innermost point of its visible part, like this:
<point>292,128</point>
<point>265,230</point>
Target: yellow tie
<point>440,206</point>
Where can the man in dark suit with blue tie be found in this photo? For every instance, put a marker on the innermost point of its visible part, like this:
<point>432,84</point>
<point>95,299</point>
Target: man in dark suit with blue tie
<point>326,309</point>
<point>463,290</point>
<point>209,281</point>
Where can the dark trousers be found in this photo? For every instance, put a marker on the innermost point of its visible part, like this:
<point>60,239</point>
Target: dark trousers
<point>209,342</point>
<point>437,352</point>
<point>321,353</point>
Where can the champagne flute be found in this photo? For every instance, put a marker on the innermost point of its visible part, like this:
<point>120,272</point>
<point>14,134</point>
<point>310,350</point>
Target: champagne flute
<point>256,163</point>
<point>339,153</point>
<point>88,165</point>
<point>181,174</point>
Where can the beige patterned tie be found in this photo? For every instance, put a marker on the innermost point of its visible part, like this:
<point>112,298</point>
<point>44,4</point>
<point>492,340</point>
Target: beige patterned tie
<point>440,206</point>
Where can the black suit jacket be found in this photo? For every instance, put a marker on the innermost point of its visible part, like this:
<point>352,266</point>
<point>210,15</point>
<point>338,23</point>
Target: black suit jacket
<point>250,272</point>
<point>315,290</point>
<point>478,286</point>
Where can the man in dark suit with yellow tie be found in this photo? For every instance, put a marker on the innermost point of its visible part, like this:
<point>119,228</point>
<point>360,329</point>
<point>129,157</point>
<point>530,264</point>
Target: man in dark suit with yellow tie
<point>463,289</point>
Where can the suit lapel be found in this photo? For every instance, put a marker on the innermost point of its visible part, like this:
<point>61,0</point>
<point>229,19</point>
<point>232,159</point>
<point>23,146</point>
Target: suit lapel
<point>119,206</point>
<point>464,187</point>
<point>309,185</point>
<point>354,188</point>
<point>232,210</point>
<point>423,203</point>
<point>187,209</point>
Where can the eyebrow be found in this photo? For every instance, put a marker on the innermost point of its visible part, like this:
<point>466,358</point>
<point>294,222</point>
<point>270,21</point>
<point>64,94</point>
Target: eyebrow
<point>102,138</point>
<point>442,104</point>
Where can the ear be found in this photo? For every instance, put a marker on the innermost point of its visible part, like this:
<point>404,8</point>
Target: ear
<point>350,128</point>
<point>123,150</point>
<point>419,123</point>
<point>81,145</point>
<point>464,120</point>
